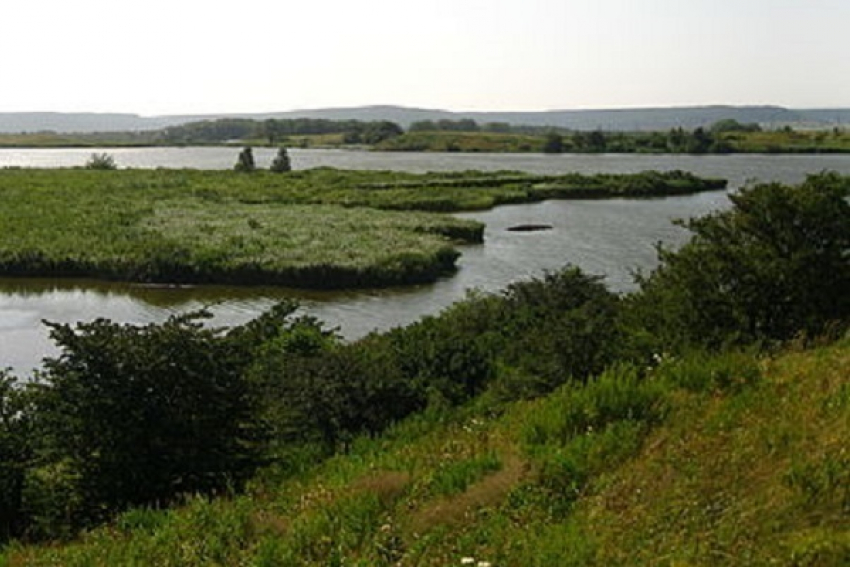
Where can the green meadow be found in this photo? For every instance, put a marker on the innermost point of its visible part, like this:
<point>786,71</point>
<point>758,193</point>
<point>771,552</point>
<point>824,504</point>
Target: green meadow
<point>315,229</point>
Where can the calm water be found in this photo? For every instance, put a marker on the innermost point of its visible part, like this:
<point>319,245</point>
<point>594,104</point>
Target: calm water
<point>611,238</point>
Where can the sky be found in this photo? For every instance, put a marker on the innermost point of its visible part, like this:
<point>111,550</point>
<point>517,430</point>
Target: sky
<point>189,56</point>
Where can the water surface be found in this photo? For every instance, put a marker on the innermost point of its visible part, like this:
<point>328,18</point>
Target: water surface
<point>611,238</point>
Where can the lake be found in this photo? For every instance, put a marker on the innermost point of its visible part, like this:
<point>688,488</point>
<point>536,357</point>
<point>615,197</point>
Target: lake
<point>611,238</point>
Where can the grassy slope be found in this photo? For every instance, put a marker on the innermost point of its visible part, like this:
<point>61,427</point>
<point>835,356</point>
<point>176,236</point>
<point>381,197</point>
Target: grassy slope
<point>723,460</point>
<point>317,228</point>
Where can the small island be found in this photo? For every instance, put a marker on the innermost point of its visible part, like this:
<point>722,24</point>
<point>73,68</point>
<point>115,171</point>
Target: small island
<point>530,227</point>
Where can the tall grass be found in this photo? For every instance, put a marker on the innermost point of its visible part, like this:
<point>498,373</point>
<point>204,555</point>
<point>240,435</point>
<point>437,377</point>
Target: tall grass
<point>319,228</point>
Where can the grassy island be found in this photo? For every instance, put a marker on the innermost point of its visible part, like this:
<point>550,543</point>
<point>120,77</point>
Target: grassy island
<point>321,228</point>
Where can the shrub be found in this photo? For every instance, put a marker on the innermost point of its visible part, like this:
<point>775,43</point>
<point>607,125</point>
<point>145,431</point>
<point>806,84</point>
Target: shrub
<point>560,327</point>
<point>245,161</point>
<point>15,454</point>
<point>134,415</point>
<point>329,393</point>
<point>102,161</point>
<point>281,163</point>
<point>772,266</point>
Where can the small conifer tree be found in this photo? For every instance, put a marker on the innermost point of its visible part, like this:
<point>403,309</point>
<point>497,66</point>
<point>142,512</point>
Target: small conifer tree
<point>245,162</point>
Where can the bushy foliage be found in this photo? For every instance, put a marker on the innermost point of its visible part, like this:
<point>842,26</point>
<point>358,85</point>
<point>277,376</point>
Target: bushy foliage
<point>102,161</point>
<point>732,125</point>
<point>139,415</point>
<point>561,327</point>
<point>535,336</point>
<point>245,161</point>
<point>774,265</point>
<point>332,395</point>
<point>281,163</point>
<point>553,144</point>
<point>15,453</point>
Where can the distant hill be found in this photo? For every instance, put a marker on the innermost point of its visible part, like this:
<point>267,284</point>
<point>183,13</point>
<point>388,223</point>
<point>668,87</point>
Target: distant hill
<point>604,119</point>
<point>83,122</point>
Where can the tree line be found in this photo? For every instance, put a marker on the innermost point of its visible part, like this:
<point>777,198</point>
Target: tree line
<point>276,130</point>
<point>677,140</point>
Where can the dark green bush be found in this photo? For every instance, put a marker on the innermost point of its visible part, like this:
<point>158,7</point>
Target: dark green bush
<point>316,390</point>
<point>771,267</point>
<point>563,326</point>
<point>15,454</point>
<point>139,415</point>
<point>245,161</point>
<point>102,161</point>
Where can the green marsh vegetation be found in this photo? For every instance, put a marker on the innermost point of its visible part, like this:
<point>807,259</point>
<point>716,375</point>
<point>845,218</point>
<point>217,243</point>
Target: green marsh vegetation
<point>316,229</point>
<point>709,140</point>
<point>554,423</point>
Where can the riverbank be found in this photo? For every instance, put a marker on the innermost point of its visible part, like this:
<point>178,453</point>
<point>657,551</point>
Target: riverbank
<point>320,229</point>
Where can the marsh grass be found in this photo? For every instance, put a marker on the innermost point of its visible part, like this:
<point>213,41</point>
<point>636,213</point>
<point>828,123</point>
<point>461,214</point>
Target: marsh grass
<point>318,228</point>
<point>174,227</point>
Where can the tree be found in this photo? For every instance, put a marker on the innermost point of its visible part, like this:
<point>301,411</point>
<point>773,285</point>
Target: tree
<point>281,163</point>
<point>554,143</point>
<point>597,141</point>
<point>423,126</point>
<point>378,131</point>
<point>774,265</point>
<point>245,161</point>
<point>700,142</point>
<point>271,129</point>
<point>732,125</point>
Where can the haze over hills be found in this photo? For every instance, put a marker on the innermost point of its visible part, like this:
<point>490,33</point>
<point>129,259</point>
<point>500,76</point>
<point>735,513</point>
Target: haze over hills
<point>618,119</point>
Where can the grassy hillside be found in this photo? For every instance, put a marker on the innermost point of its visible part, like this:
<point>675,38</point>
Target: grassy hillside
<point>729,459</point>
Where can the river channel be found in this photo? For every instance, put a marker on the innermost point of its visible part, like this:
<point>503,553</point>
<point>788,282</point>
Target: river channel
<point>612,238</point>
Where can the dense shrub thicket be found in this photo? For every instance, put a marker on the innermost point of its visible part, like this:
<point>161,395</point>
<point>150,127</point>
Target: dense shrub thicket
<point>131,415</point>
<point>773,266</point>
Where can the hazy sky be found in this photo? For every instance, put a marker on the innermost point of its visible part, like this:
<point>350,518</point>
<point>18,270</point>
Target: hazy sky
<point>188,56</point>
